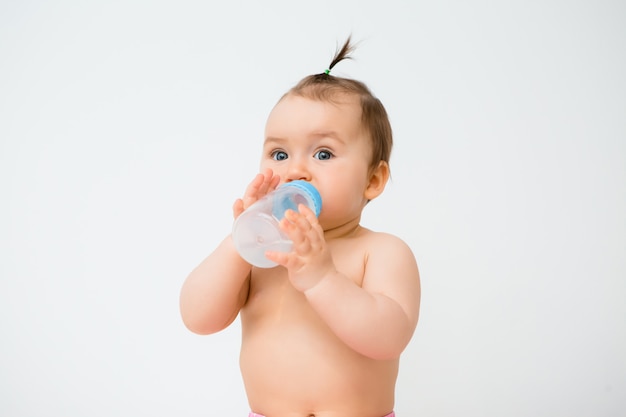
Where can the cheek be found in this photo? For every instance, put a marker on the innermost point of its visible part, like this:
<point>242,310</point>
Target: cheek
<point>273,165</point>
<point>341,195</point>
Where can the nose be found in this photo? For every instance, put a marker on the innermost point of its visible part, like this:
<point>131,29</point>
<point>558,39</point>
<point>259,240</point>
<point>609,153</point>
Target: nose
<point>297,170</point>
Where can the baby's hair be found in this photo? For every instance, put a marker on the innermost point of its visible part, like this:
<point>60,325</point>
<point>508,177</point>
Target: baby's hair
<point>328,87</point>
<point>341,54</point>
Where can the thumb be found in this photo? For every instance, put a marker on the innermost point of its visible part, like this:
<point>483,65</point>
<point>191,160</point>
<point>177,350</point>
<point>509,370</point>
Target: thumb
<point>237,208</point>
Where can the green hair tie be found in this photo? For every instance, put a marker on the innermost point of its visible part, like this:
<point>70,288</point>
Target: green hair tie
<point>327,71</point>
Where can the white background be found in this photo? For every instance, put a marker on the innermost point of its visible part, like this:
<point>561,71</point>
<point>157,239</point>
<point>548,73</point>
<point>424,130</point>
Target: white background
<point>128,128</point>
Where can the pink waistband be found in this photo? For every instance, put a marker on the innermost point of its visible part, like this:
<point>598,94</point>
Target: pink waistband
<point>392,414</point>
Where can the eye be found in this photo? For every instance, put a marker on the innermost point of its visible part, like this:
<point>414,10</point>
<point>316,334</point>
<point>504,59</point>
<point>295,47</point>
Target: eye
<point>323,155</point>
<point>279,155</point>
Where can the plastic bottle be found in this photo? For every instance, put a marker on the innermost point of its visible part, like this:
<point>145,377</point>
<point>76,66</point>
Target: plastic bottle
<point>257,230</point>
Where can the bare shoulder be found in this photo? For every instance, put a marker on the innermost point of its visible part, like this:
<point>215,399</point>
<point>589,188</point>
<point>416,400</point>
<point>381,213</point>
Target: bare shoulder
<point>391,270</point>
<point>387,246</point>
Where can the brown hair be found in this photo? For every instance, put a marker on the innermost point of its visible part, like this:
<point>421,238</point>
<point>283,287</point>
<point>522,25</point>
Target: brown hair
<point>373,114</point>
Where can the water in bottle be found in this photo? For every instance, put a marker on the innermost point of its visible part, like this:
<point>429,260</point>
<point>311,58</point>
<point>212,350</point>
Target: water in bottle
<point>257,230</point>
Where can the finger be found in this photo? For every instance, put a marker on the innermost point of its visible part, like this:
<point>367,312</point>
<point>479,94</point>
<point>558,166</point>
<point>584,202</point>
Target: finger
<point>255,190</point>
<point>312,220</point>
<point>255,184</point>
<point>288,225</point>
<point>281,258</point>
<point>267,180</point>
<point>274,182</point>
<point>237,208</point>
<point>303,221</point>
<point>298,221</point>
<point>299,230</point>
<point>315,232</point>
<point>308,214</point>
<point>270,182</point>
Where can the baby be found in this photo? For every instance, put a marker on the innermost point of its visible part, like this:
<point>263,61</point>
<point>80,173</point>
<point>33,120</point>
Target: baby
<point>323,331</point>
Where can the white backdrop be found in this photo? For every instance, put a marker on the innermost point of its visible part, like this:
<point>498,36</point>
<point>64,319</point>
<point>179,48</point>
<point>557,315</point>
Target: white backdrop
<point>127,129</point>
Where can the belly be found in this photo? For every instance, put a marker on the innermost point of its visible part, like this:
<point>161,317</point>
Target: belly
<point>291,362</point>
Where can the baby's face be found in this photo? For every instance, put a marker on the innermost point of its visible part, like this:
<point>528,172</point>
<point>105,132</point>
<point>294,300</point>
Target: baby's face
<point>323,143</point>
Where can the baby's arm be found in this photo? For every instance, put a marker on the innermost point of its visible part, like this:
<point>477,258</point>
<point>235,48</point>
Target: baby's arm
<point>377,318</point>
<point>215,290</point>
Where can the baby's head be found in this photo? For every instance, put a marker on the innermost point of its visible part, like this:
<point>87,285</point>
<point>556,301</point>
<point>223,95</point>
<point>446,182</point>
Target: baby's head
<point>329,88</point>
<point>333,133</point>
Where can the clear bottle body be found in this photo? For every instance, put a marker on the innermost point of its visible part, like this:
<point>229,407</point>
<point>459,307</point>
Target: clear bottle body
<point>257,229</point>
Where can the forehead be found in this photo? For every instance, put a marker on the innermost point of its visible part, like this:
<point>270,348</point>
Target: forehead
<point>298,113</point>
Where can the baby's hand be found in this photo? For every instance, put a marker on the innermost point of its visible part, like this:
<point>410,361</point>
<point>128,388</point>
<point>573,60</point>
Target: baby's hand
<point>309,260</point>
<point>261,185</point>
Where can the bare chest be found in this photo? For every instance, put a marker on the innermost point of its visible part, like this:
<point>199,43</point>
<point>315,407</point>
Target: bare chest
<point>272,292</point>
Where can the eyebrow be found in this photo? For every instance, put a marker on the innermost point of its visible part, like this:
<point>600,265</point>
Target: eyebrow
<point>314,135</point>
<point>272,139</point>
<point>327,134</point>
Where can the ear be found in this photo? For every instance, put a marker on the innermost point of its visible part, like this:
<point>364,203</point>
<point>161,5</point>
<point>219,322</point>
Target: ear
<point>378,180</point>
